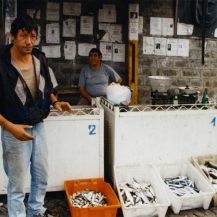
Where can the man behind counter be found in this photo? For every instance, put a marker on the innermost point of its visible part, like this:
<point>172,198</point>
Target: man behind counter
<point>95,77</point>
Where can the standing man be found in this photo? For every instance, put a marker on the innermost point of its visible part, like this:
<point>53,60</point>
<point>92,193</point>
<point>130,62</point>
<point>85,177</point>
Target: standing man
<point>95,77</point>
<point>25,98</point>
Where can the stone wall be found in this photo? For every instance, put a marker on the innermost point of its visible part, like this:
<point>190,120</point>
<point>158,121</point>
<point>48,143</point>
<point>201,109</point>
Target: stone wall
<point>183,70</point>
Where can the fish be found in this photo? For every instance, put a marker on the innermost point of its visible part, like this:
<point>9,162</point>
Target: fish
<point>136,193</point>
<point>210,170</point>
<point>211,164</point>
<point>181,185</point>
<point>88,198</point>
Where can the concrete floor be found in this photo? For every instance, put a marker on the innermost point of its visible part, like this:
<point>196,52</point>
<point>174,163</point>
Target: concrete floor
<point>56,203</point>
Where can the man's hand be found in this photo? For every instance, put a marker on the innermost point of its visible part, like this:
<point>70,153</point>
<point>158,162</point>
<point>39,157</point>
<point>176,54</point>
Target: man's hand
<point>19,132</point>
<point>63,106</point>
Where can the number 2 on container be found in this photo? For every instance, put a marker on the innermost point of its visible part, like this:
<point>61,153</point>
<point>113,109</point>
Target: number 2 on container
<point>92,129</point>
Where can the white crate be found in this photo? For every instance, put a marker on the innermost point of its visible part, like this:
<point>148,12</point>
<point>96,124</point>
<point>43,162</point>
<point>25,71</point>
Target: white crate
<point>200,160</point>
<point>147,174</point>
<point>201,199</point>
<point>75,147</point>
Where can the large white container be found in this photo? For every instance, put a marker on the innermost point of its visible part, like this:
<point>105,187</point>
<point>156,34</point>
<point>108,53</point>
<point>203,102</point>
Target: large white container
<point>200,160</point>
<point>202,199</point>
<point>75,147</point>
<point>141,134</point>
<point>146,174</point>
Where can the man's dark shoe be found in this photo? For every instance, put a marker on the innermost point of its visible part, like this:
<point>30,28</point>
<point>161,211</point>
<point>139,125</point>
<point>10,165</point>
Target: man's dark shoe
<point>46,214</point>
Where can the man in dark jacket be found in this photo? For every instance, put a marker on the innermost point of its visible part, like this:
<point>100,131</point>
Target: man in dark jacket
<point>25,99</point>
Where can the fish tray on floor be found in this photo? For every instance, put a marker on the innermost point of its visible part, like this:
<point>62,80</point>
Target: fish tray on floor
<point>142,174</point>
<point>199,161</point>
<point>99,185</point>
<point>190,201</point>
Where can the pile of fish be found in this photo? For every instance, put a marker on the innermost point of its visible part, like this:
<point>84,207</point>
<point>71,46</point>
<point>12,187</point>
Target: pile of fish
<point>88,198</point>
<point>210,169</point>
<point>181,185</point>
<point>136,193</point>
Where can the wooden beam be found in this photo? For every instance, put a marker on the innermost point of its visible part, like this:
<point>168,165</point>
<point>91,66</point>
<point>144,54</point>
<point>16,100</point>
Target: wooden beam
<point>133,69</point>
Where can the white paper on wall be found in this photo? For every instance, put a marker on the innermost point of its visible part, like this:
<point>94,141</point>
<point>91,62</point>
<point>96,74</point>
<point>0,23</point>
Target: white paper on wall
<point>133,21</point>
<point>34,13</point>
<point>184,29</point>
<point>183,47</point>
<point>161,26</point>
<point>52,51</point>
<point>72,8</point>
<point>140,24</point>
<point>69,28</point>
<point>160,46</point>
<point>106,49</point>
<point>172,47</point>
<point>8,22</point>
<point>53,11</point>
<point>69,50</point>
<point>11,8</point>
<point>53,33</point>
<point>215,34</point>
<point>106,28</point>
<point>107,15</point>
<point>86,25</point>
<point>84,48</point>
<point>148,45</point>
<point>133,31</point>
<point>155,25</point>
<point>115,33</point>
<point>39,36</point>
<point>167,26</point>
<point>118,52</point>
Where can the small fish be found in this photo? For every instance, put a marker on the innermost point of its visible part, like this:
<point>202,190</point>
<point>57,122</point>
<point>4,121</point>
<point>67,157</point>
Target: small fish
<point>88,198</point>
<point>181,185</point>
<point>136,193</point>
<point>210,164</point>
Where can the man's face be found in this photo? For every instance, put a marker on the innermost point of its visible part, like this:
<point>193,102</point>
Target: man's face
<point>24,41</point>
<point>94,59</point>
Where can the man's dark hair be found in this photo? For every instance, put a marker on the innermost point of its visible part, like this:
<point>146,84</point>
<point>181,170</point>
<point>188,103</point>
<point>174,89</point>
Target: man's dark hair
<point>95,50</point>
<point>24,22</point>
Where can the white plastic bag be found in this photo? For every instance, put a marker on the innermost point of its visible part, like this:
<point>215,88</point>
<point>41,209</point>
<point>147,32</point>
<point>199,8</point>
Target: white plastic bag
<point>118,94</point>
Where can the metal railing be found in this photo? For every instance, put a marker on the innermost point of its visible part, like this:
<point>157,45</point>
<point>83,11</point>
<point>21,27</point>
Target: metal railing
<point>169,107</point>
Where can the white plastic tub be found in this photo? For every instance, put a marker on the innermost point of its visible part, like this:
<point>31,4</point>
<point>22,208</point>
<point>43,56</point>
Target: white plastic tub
<point>200,160</point>
<point>202,199</point>
<point>145,174</point>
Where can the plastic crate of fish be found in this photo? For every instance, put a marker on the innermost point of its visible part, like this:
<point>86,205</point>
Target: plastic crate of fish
<point>207,165</point>
<point>97,185</point>
<point>144,195</point>
<point>182,195</point>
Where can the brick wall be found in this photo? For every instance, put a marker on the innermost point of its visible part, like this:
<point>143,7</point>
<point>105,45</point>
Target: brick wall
<point>183,70</point>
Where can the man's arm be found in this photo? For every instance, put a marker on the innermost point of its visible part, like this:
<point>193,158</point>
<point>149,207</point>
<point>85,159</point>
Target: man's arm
<point>85,94</point>
<point>60,105</point>
<point>17,130</point>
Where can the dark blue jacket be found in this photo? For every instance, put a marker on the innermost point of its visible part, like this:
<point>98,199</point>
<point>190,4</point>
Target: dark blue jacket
<point>16,102</point>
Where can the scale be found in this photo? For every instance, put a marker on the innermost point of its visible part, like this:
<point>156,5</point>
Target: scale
<point>167,98</point>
